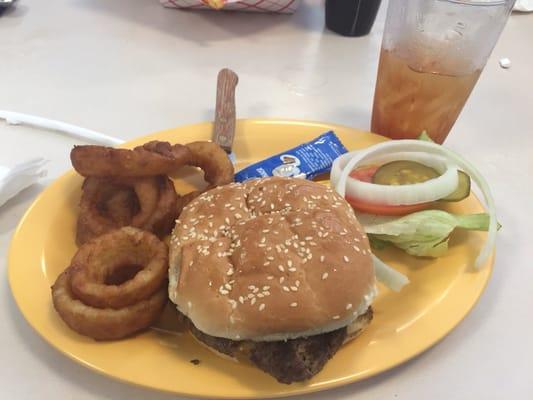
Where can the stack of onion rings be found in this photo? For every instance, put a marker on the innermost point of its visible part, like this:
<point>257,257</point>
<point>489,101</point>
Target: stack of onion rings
<point>103,310</point>
<point>127,201</point>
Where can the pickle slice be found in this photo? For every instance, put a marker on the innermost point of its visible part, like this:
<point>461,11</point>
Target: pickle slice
<point>463,189</point>
<point>403,173</point>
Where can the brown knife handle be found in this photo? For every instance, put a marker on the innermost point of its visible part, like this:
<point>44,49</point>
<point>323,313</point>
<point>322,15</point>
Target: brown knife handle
<point>225,114</point>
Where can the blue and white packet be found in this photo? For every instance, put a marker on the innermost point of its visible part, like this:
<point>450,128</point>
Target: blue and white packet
<point>304,161</point>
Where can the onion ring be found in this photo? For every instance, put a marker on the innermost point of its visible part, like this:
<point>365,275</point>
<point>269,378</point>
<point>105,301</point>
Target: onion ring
<point>217,167</point>
<point>99,259</point>
<point>151,205</point>
<point>105,324</point>
<point>152,158</point>
<point>121,205</point>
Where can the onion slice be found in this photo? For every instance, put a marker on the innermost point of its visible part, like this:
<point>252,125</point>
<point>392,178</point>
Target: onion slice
<point>387,275</point>
<point>388,148</point>
<point>417,193</point>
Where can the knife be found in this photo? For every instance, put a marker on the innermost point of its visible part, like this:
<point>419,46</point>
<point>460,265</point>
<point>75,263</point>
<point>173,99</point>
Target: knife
<point>225,115</point>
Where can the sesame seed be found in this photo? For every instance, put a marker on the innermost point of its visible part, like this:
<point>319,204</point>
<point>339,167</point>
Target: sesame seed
<point>294,304</point>
<point>292,269</point>
<point>308,238</point>
<point>356,248</point>
<point>348,306</point>
<point>266,263</point>
<point>256,290</point>
<point>336,317</point>
<point>270,277</point>
<point>251,295</point>
<point>280,267</point>
<point>190,263</point>
<point>289,263</point>
<point>325,275</point>
<point>266,293</point>
<point>266,288</point>
<point>297,283</point>
<point>346,259</point>
<point>251,287</point>
<point>294,288</point>
<point>322,258</point>
<point>260,295</point>
<point>286,289</point>
<point>223,291</point>
<point>281,279</point>
<point>241,299</point>
<point>230,272</point>
<point>270,258</point>
<point>253,301</point>
<point>262,306</point>
<point>227,286</point>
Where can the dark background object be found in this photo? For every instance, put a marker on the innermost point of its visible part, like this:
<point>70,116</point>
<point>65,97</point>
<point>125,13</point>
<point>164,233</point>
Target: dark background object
<point>351,17</point>
<point>5,4</point>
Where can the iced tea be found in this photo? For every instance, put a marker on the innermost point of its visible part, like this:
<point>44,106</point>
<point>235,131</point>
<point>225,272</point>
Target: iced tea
<point>410,99</point>
<point>432,54</point>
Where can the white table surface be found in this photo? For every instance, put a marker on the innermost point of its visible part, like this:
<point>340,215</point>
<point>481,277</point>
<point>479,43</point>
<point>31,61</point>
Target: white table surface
<point>131,67</point>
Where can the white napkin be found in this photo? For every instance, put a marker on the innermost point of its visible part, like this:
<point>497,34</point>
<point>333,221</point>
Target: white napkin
<point>523,5</point>
<point>14,180</point>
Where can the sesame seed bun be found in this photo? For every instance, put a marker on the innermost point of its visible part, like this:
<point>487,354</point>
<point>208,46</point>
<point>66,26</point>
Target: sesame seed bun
<point>270,259</point>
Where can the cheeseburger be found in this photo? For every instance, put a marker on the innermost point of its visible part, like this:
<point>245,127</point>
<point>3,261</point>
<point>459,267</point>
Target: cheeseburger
<point>277,271</point>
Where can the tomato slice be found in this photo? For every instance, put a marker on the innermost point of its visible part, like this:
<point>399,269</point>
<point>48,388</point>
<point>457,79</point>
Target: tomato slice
<point>365,174</point>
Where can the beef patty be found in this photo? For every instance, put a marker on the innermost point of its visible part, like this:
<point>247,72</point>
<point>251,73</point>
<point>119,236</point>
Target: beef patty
<point>288,361</point>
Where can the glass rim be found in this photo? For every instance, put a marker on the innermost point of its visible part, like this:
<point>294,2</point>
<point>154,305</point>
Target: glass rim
<point>480,3</point>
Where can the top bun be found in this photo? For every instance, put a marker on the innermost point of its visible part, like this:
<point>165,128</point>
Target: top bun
<point>270,259</point>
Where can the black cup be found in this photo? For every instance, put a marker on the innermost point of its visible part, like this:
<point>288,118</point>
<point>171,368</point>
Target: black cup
<point>351,17</point>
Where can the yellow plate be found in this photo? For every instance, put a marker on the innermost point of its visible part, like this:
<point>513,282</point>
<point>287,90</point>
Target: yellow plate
<point>441,292</point>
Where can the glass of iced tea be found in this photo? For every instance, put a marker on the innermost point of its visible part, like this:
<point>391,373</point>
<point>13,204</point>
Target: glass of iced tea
<point>432,54</point>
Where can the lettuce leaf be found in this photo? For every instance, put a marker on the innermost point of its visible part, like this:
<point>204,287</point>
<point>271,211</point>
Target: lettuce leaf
<point>424,233</point>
